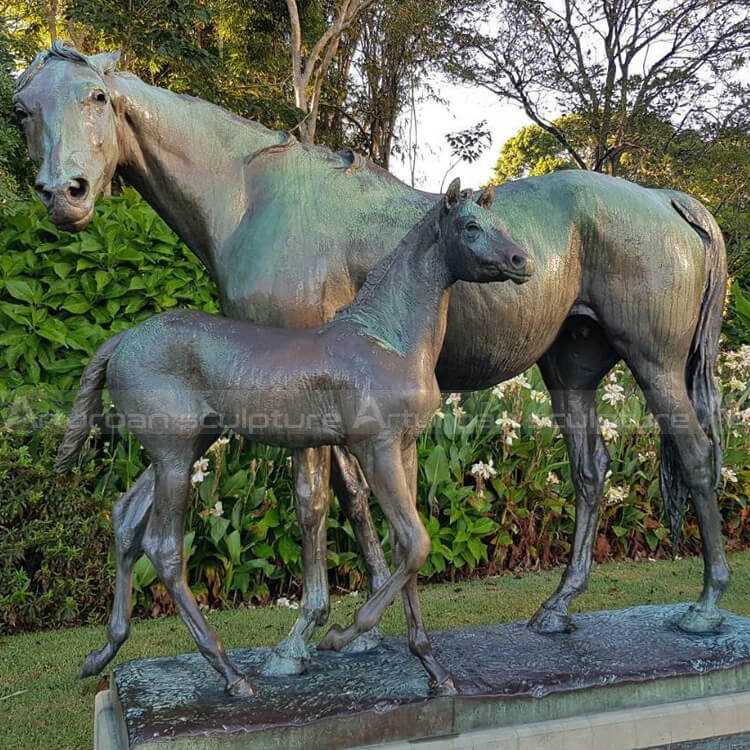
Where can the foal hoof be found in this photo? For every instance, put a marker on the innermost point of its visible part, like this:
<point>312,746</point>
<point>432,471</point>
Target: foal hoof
<point>243,688</point>
<point>368,641</point>
<point>334,640</point>
<point>445,687</point>
<point>696,620</point>
<point>282,665</point>
<point>551,621</point>
<point>93,664</point>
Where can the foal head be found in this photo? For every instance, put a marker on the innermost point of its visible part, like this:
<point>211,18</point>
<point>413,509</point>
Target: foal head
<point>474,249</point>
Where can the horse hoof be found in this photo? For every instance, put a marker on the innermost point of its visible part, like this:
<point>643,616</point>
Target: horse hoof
<point>333,640</point>
<point>368,641</point>
<point>696,620</point>
<point>445,687</point>
<point>282,665</point>
<point>550,621</point>
<point>92,664</point>
<point>243,688</point>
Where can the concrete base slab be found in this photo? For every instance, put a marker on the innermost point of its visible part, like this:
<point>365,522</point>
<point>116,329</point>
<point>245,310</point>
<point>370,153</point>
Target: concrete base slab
<point>627,678</point>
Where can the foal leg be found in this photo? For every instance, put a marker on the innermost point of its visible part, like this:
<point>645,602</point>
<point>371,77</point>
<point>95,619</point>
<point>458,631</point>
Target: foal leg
<point>384,469</point>
<point>419,644</point>
<point>163,543</point>
<point>572,370</point>
<point>129,517</point>
<point>353,493</point>
<point>312,470</point>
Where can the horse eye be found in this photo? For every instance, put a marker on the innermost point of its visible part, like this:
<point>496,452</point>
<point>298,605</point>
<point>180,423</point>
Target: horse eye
<point>21,114</point>
<point>472,226</point>
<point>100,96</point>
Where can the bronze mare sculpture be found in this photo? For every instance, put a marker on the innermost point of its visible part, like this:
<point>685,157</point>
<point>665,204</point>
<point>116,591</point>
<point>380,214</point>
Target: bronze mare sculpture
<point>365,380</point>
<point>289,233</point>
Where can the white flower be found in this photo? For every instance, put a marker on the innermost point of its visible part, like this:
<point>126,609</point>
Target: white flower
<point>617,494</point>
<point>484,471</point>
<point>439,414</point>
<point>217,510</point>
<point>510,437</point>
<point>499,390</point>
<point>540,421</point>
<point>507,422</point>
<point>609,429</point>
<point>200,467</point>
<point>728,475</point>
<point>282,601</point>
<point>552,478</point>
<point>613,393</point>
<point>612,377</point>
<point>539,396</point>
<point>735,384</point>
<point>218,443</point>
<point>454,399</point>
<point>459,411</point>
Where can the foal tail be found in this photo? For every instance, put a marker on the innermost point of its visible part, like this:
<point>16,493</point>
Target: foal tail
<point>87,404</point>
<point>699,371</point>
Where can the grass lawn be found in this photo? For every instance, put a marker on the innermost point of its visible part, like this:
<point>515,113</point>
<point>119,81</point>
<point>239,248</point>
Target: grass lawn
<point>44,706</point>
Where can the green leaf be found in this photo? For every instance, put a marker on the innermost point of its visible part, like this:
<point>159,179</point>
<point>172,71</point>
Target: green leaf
<point>219,527</point>
<point>288,550</point>
<point>27,290</point>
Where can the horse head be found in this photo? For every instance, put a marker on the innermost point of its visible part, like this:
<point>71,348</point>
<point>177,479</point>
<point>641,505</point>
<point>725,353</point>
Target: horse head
<point>477,250</point>
<point>63,102</point>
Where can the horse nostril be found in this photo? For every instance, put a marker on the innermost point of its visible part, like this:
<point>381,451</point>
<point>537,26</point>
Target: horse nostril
<point>517,261</point>
<point>78,189</point>
<point>45,196</point>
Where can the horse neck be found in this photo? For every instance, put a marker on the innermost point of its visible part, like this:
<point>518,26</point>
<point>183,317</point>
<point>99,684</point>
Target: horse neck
<point>186,157</point>
<point>404,301</point>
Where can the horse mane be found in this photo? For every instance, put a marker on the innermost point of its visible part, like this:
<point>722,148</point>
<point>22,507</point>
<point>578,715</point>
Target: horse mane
<point>63,50</point>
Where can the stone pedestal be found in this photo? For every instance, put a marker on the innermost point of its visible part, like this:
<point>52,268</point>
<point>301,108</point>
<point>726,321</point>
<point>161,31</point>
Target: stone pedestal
<point>620,670</point>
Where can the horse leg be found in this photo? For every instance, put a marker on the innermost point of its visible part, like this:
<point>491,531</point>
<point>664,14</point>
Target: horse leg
<point>384,470</point>
<point>163,543</point>
<point>572,370</point>
<point>129,517</point>
<point>312,469</point>
<point>353,494</point>
<point>666,394</point>
<point>419,644</point>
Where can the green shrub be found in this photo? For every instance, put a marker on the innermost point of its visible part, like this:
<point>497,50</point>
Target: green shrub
<point>55,535</point>
<point>62,294</point>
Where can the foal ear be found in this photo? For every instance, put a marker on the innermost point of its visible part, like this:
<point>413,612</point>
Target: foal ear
<point>106,62</point>
<point>487,198</point>
<point>452,197</point>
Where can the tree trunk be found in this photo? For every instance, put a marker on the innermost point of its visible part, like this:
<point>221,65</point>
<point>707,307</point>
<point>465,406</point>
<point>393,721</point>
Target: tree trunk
<point>52,21</point>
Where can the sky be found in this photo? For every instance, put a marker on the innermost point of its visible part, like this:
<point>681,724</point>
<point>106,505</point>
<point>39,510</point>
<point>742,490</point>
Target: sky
<point>464,106</point>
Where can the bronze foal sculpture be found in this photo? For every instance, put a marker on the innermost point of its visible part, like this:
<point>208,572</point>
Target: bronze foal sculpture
<point>289,233</point>
<point>365,380</point>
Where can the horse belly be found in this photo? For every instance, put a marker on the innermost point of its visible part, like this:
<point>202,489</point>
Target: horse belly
<point>496,331</point>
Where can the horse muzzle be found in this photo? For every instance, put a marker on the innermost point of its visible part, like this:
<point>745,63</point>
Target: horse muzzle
<point>69,203</point>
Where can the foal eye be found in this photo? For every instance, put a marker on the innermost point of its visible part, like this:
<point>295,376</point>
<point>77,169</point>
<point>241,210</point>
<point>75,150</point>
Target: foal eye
<point>472,226</point>
<point>21,114</point>
<point>100,97</point>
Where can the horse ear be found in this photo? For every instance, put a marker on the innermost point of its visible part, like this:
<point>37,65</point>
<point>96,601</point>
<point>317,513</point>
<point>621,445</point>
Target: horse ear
<point>106,62</point>
<point>487,198</point>
<point>452,197</point>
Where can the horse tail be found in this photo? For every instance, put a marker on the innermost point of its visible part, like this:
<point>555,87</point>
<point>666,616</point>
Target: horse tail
<point>699,370</point>
<point>87,404</point>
